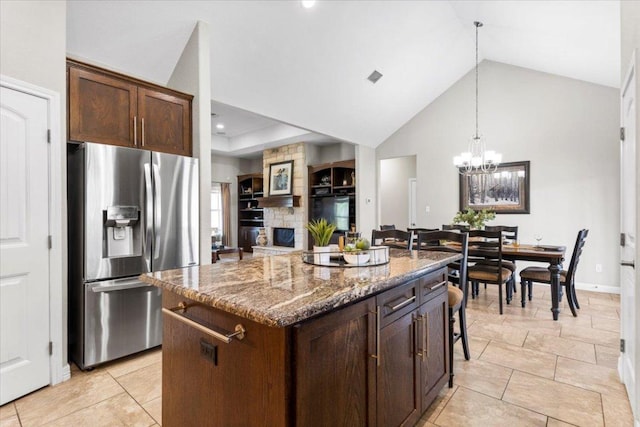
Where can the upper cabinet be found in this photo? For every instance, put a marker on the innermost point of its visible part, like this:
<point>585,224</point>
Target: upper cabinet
<point>109,108</point>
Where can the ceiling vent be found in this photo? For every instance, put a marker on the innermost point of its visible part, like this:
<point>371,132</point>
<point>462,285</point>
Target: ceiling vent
<point>375,76</point>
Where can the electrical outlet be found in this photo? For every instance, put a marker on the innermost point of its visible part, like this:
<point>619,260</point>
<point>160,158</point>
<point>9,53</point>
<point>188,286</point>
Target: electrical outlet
<point>598,268</point>
<point>209,351</point>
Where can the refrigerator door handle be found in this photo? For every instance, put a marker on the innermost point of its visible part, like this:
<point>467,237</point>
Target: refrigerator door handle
<point>148,215</point>
<point>119,285</point>
<point>157,212</point>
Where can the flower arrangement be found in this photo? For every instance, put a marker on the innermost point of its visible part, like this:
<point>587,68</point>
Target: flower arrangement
<point>321,231</point>
<point>475,219</point>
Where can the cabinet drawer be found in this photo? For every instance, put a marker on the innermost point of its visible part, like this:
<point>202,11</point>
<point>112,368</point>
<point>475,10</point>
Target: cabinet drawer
<point>430,283</point>
<point>396,302</point>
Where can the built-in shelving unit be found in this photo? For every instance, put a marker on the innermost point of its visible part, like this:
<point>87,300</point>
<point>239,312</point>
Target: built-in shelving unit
<point>250,214</point>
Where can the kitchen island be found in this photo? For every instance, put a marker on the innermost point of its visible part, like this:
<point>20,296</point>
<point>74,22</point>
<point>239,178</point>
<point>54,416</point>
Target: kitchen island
<point>276,342</point>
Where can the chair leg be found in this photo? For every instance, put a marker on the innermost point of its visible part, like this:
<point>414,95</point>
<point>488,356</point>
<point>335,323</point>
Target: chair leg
<point>509,289</point>
<point>452,320</point>
<point>523,291</point>
<point>575,297</point>
<point>571,302</point>
<point>530,286</point>
<point>463,333</point>
<point>500,296</point>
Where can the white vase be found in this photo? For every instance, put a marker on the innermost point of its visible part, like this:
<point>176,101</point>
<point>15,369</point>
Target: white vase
<point>321,255</point>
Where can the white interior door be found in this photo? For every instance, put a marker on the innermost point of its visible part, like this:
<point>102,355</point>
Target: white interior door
<point>629,300</point>
<point>24,251</point>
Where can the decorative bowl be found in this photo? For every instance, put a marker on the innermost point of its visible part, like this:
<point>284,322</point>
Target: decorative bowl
<point>357,258</point>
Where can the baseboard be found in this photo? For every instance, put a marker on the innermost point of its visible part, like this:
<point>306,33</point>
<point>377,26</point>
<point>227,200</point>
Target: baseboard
<point>598,288</point>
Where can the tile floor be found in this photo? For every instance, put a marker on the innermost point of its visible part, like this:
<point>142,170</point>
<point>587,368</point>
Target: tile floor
<point>525,370</point>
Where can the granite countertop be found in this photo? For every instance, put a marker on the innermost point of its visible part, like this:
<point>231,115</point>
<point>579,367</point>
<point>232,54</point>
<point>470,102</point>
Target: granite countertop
<point>282,290</point>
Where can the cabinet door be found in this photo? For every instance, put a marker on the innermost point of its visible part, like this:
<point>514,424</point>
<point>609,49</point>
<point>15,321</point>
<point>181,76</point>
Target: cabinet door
<point>433,344</point>
<point>102,109</point>
<point>334,373</point>
<point>165,122</point>
<point>398,374</point>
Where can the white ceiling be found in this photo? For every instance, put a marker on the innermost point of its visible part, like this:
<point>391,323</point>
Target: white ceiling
<point>308,67</point>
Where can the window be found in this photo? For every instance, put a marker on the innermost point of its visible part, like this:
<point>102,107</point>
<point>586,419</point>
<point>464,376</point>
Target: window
<point>216,212</point>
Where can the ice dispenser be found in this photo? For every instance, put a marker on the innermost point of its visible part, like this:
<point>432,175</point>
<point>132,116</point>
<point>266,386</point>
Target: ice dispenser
<point>122,231</point>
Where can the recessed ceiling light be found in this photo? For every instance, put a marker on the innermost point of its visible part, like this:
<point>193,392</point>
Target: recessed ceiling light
<point>308,4</point>
<point>375,76</point>
<point>220,126</point>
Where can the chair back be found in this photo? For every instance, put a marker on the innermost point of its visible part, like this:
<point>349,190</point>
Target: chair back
<point>394,238</point>
<point>415,230</point>
<point>427,242</point>
<point>508,231</point>
<point>460,227</point>
<point>488,245</point>
<point>575,258</point>
<point>388,227</point>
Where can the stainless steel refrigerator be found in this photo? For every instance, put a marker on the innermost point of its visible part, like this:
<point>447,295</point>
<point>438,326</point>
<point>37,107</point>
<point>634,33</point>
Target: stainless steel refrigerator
<point>130,212</point>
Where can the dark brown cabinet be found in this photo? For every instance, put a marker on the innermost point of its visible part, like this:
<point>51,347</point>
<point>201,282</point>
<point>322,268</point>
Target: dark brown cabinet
<point>378,362</point>
<point>250,215</point>
<point>110,108</point>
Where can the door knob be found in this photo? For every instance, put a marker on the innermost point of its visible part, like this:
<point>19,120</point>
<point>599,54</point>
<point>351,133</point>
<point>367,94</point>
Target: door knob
<point>631,264</point>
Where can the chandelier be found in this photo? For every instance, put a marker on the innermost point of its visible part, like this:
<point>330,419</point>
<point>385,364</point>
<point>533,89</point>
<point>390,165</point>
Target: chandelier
<point>477,158</point>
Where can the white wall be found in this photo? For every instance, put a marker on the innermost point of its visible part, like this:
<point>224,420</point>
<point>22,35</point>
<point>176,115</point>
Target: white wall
<point>394,190</point>
<point>32,49</point>
<point>567,128</point>
<point>192,75</point>
<point>366,195</point>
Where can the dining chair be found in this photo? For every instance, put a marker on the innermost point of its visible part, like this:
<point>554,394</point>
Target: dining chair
<point>567,277</point>
<point>460,227</point>
<point>457,294</point>
<point>388,227</point>
<point>415,230</point>
<point>509,232</point>
<point>393,238</point>
<point>488,245</point>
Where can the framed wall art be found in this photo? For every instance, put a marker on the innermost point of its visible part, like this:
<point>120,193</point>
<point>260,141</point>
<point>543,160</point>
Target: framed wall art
<point>281,178</point>
<point>504,191</point>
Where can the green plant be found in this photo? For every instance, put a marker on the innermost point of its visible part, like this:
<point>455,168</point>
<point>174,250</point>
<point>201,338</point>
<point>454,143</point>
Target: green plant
<point>321,231</point>
<point>475,219</point>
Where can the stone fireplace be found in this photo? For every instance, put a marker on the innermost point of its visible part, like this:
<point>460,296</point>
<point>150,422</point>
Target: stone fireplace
<point>293,218</point>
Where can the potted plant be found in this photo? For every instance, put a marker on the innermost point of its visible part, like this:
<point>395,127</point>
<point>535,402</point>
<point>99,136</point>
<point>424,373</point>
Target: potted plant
<point>475,219</point>
<point>321,231</point>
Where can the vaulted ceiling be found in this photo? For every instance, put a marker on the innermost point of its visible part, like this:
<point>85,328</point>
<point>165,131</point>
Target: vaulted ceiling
<point>309,67</point>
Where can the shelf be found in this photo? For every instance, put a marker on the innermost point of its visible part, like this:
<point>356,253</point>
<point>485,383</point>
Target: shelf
<point>321,186</point>
<point>251,210</point>
<point>279,202</point>
<point>343,187</point>
<point>252,220</point>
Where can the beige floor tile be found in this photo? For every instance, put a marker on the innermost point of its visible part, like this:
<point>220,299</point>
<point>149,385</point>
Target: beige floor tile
<point>606,324</point>
<point>154,408</point>
<point>145,384</point>
<point>595,378</point>
<point>11,421</point>
<point>585,295</point>
<point>120,410</point>
<point>439,403</point>
<point>603,301</point>
<point>590,335</point>
<point>8,410</point>
<point>492,331</point>
<point>51,403</point>
<point>560,401</point>
<point>522,359</point>
<point>543,326</point>
<point>599,310</point>
<point>552,422</point>
<point>476,347</point>
<point>475,315</point>
<point>133,363</point>
<point>470,408</point>
<point>607,356</point>
<point>481,376</point>
<point>617,411</point>
<point>561,347</point>
<point>566,318</point>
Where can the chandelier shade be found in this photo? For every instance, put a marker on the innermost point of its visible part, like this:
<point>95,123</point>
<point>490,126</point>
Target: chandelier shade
<point>477,158</point>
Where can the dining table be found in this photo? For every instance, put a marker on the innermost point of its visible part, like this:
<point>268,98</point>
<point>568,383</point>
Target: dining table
<point>551,255</point>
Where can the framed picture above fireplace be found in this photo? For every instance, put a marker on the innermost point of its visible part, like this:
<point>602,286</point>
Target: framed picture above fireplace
<point>281,178</point>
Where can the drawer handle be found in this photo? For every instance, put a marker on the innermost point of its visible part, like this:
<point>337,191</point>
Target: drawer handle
<point>377,355</point>
<point>438,286</point>
<point>402,304</point>
<point>239,333</point>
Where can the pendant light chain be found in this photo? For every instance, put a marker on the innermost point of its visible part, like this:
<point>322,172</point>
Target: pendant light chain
<point>477,24</point>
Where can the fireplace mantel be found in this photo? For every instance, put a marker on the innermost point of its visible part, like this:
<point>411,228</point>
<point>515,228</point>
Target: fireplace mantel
<point>279,202</point>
